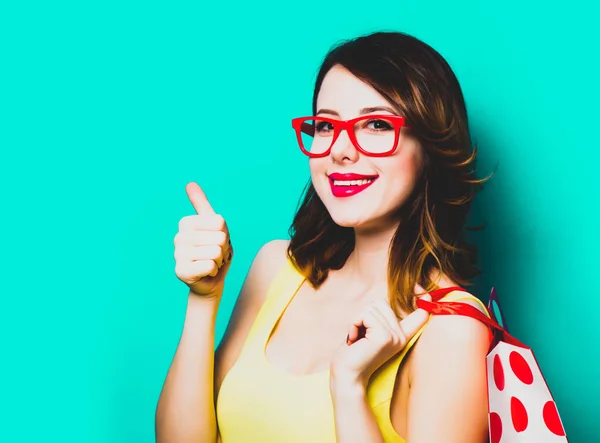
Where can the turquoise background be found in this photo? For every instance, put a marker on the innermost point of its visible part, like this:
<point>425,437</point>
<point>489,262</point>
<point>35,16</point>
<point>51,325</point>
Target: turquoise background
<point>108,109</point>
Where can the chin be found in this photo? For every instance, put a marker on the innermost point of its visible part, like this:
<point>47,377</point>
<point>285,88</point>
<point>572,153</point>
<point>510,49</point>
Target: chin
<point>355,219</point>
<point>361,217</point>
<point>364,212</point>
<point>346,215</point>
<point>347,222</point>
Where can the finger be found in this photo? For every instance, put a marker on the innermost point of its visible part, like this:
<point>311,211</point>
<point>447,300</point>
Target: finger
<point>352,336</point>
<point>385,311</point>
<point>192,271</point>
<point>198,199</point>
<point>414,321</point>
<point>377,328</point>
<point>199,253</point>
<point>366,324</point>
<point>214,271</point>
<point>214,268</point>
<point>383,323</point>
<point>358,327</point>
<point>354,333</point>
<point>228,251</point>
<point>211,222</point>
<point>419,290</point>
<point>212,252</point>
<point>204,238</point>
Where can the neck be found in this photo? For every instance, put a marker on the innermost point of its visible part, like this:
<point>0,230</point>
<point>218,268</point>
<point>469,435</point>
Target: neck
<point>369,261</point>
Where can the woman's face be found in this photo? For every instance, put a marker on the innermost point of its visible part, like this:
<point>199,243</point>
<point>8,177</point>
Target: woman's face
<point>343,96</point>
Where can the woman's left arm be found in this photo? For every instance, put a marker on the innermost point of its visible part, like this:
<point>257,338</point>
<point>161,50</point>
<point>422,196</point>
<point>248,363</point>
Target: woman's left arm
<point>354,363</point>
<point>354,419</point>
<point>448,386</point>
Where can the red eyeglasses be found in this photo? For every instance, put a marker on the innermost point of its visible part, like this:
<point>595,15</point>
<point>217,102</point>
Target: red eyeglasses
<point>373,135</point>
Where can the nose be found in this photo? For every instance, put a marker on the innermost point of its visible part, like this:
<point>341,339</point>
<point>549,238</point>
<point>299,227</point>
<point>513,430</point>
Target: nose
<point>343,150</point>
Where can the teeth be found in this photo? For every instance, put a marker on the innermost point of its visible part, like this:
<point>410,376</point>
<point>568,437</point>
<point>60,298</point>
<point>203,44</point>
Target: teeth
<point>351,182</point>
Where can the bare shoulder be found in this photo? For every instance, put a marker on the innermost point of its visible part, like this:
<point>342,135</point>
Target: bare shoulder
<point>266,264</point>
<point>455,334</point>
<point>269,259</point>
<point>448,372</point>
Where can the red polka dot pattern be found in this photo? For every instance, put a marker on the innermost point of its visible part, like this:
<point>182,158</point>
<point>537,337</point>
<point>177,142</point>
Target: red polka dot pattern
<point>520,367</point>
<point>520,404</point>
<point>495,428</point>
<point>552,419</point>
<point>518,414</point>
<point>498,373</point>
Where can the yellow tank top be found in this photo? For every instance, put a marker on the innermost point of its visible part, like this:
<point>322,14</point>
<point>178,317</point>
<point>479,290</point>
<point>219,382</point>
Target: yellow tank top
<point>258,402</point>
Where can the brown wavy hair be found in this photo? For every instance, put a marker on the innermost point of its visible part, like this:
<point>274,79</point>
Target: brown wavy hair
<point>421,86</point>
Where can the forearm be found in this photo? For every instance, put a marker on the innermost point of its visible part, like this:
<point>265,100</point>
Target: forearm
<point>185,411</point>
<point>354,418</point>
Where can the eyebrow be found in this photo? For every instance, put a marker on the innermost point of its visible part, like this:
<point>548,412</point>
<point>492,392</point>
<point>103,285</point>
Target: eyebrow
<point>363,111</point>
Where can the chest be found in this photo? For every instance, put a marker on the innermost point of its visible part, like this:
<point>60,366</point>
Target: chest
<point>290,363</point>
<point>314,325</point>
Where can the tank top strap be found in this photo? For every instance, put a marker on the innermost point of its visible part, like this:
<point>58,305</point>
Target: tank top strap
<point>461,294</point>
<point>381,386</point>
<point>284,286</point>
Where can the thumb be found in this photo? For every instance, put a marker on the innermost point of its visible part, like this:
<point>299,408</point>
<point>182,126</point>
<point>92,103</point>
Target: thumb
<point>198,199</point>
<point>415,320</point>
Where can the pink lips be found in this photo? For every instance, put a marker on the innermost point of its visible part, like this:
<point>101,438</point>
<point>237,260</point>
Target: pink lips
<point>349,190</point>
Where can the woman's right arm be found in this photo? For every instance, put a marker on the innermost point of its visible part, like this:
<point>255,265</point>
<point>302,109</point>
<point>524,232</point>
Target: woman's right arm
<point>185,411</point>
<point>186,407</point>
<point>268,261</point>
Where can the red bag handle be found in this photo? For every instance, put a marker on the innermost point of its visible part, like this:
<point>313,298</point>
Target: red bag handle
<point>497,332</point>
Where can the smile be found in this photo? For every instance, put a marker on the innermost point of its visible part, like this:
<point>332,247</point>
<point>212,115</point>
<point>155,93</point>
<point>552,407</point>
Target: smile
<point>347,185</point>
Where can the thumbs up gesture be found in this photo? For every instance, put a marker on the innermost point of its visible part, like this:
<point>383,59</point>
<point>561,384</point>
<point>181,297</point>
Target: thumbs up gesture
<point>203,249</point>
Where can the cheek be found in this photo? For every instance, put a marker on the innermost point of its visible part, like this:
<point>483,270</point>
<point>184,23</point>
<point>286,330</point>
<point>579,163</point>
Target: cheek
<point>408,164</point>
<point>406,171</point>
<point>413,163</point>
<point>411,167</point>
<point>316,167</point>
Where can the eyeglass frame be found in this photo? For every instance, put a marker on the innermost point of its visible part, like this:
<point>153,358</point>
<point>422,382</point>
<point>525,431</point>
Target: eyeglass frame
<point>300,125</point>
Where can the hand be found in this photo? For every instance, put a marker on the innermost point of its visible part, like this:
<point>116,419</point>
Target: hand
<point>384,336</point>
<point>203,250</point>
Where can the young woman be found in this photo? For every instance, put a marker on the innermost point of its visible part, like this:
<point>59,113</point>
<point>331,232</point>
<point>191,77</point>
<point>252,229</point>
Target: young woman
<point>322,343</point>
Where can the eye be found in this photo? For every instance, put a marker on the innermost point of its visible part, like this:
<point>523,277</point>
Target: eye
<point>323,127</point>
<point>379,125</point>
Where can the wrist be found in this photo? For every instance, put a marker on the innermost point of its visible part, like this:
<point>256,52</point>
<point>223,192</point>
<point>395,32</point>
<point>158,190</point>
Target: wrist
<point>339,374</point>
<point>212,297</point>
<point>202,308</point>
<point>346,384</point>
<point>347,392</point>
